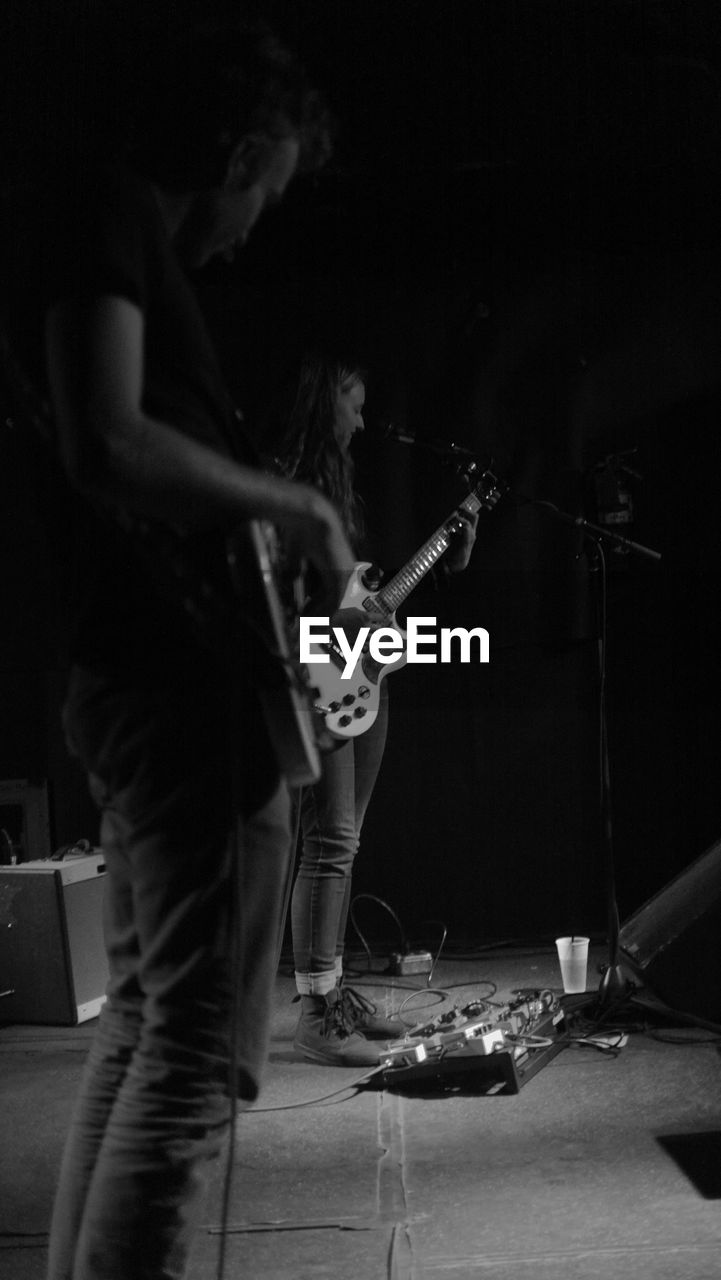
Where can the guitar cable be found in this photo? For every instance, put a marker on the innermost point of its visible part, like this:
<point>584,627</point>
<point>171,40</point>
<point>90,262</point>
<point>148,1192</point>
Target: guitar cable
<point>359,897</point>
<point>234,950</point>
<point>406,948</point>
<point>441,945</point>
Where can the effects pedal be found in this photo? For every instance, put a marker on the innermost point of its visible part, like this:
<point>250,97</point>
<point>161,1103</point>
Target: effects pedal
<point>409,962</point>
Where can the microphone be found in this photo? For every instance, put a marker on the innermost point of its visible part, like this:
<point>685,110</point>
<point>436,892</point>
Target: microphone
<point>389,431</point>
<point>445,448</point>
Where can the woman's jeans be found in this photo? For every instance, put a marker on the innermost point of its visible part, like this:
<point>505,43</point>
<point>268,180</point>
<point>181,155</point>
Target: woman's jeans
<point>331,817</point>
<point>192,902</point>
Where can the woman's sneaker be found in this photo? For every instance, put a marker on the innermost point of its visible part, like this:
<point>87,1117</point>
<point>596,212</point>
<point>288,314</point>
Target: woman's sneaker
<point>362,1015</point>
<point>325,1034</point>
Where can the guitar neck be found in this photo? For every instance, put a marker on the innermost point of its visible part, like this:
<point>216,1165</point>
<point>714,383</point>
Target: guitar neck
<point>392,595</point>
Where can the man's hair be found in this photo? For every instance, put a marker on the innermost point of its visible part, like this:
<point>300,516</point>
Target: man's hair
<point>210,86</point>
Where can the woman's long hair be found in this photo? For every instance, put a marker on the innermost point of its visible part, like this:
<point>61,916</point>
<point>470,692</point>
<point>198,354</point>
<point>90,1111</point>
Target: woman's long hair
<point>309,450</point>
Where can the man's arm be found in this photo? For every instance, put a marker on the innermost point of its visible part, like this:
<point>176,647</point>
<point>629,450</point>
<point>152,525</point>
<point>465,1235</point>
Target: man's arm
<point>113,452</point>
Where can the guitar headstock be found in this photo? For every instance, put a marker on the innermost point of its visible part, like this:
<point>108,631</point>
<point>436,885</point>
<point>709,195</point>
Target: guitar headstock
<point>486,489</point>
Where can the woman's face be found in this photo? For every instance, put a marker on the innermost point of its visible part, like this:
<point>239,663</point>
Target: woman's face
<point>349,400</point>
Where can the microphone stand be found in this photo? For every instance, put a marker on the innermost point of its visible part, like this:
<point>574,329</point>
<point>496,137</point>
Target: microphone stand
<point>613,987</point>
<point>595,531</point>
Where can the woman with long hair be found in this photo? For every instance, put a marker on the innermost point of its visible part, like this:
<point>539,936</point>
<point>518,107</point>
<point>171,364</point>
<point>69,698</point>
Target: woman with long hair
<point>337,1025</point>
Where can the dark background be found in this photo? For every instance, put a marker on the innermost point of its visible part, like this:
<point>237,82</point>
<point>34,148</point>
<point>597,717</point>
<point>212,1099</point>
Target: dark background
<point>518,232</point>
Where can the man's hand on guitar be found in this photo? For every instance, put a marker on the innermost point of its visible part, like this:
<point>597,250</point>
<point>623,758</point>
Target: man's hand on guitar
<point>314,533</point>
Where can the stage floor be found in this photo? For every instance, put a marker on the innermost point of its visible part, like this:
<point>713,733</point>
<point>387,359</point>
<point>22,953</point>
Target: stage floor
<point>602,1165</point>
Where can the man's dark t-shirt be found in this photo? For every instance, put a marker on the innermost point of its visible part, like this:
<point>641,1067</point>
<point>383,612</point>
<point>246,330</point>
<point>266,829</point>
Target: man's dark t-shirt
<point>111,240</point>
<point>124,593</point>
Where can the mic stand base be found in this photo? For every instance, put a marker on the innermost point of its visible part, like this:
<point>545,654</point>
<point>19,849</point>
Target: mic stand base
<point>613,987</point>
<point>613,993</point>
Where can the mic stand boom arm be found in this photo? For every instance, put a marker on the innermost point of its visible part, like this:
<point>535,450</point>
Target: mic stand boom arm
<point>596,532</point>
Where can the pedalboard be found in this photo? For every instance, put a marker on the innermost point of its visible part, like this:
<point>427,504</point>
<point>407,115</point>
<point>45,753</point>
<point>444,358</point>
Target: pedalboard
<point>478,1049</point>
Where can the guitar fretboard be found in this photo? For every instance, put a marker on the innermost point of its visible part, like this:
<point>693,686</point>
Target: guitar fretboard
<point>400,586</point>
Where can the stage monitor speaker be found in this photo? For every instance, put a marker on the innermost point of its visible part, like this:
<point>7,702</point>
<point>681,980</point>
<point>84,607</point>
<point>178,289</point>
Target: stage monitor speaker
<point>673,942</point>
<point>53,967</point>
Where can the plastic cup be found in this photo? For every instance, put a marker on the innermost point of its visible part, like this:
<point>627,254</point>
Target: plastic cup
<point>573,959</point>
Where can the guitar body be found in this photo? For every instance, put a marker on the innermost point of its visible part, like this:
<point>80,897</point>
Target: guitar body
<point>349,707</point>
<point>296,730</point>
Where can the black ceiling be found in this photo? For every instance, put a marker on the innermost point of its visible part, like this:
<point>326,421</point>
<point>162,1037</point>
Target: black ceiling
<point>469,86</point>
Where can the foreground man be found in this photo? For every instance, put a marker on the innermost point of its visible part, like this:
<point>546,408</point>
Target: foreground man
<point>194,813</point>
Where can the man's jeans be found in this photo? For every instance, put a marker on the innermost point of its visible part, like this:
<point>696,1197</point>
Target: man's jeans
<point>192,901</point>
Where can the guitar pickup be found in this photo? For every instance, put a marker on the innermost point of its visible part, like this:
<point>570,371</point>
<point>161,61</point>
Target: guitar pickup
<point>375,610</point>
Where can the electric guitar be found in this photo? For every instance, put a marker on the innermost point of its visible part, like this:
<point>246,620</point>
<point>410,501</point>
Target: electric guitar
<point>296,730</point>
<point>238,599</point>
<point>350,706</point>
<point>241,602</point>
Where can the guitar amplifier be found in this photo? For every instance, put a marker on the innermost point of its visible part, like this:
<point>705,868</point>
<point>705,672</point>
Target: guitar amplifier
<point>53,966</point>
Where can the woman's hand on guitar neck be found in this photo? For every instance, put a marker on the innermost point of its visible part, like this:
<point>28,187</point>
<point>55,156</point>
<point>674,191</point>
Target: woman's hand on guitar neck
<point>462,540</point>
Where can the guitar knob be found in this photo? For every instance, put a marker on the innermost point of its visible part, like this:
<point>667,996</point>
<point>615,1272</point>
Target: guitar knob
<point>371,579</point>
<point>348,699</point>
<point>364,691</point>
<point>344,721</point>
<point>360,711</point>
<point>334,706</point>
